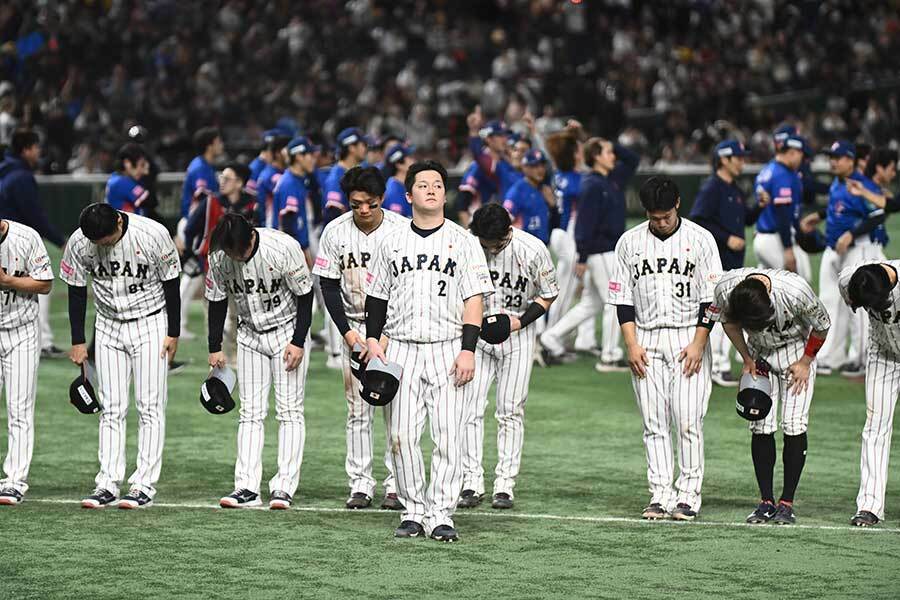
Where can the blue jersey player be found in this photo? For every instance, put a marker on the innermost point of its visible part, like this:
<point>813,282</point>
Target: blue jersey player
<point>397,160</point>
<point>123,192</point>
<point>201,175</point>
<point>268,179</point>
<point>291,192</point>
<point>352,147</point>
<point>530,200</point>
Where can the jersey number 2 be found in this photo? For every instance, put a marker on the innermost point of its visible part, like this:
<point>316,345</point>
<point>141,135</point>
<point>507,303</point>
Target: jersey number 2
<point>442,288</point>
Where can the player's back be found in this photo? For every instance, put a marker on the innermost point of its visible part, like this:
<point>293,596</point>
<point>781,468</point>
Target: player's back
<point>514,273</point>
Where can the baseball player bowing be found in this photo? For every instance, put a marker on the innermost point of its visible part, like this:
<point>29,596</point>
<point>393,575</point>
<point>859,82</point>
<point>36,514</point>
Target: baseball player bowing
<point>425,292</point>
<point>345,251</point>
<point>873,287</point>
<point>665,272</point>
<point>265,272</point>
<point>525,281</point>
<point>25,272</point>
<point>134,269</point>
<point>786,325</point>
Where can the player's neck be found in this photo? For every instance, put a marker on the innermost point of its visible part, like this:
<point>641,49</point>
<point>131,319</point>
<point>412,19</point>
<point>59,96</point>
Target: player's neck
<point>427,221</point>
<point>348,163</point>
<point>209,157</point>
<point>767,281</point>
<point>535,183</point>
<point>724,175</point>
<point>376,223</point>
<point>601,170</point>
<point>297,170</point>
<point>891,271</point>
<point>4,227</point>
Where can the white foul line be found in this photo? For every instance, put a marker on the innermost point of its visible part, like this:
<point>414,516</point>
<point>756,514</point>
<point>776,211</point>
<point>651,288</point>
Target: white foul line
<point>514,515</point>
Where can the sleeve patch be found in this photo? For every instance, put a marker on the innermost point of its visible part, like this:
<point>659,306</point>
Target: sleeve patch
<point>615,286</point>
<point>323,262</point>
<point>66,268</point>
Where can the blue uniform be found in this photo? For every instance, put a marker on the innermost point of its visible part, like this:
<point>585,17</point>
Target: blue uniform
<point>332,195</point>
<point>500,172</point>
<point>566,185</point>
<point>529,210</point>
<point>783,211</point>
<point>720,209</point>
<point>200,175</point>
<point>256,167</point>
<point>846,211</point>
<point>289,203</point>
<point>265,190</point>
<point>19,199</point>
<point>125,194</point>
<point>395,198</point>
<point>479,185</point>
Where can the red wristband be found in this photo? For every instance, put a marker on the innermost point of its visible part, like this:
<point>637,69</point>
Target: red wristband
<point>813,344</point>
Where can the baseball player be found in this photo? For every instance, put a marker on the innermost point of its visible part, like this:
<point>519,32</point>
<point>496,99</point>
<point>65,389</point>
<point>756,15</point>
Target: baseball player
<point>530,200</point>
<point>123,191</point>
<point>786,325</point>
<point>262,159</point>
<point>25,272</point>
<point>425,289</point>
<point>345,251</point>
<point>265,272</point>
<point>662,285</point>
<point>873,287</point>
<point>351,152</point>
<point>134,269</point>
<point>525,281</point>
<point>489,148</point>
<point>397,161</point>
<point>268,180</point>
<point>290,194</point>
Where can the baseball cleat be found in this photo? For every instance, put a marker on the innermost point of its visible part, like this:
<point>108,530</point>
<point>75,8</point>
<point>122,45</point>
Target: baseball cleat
<point>469,499</point>
<point>784,514</point>
<point>52,352</point>
<point>409,529</point>
<point>823,369</point>
<point>654,512</point>
<point>176,366</point>
<point>10,496</point>
<point>612,366</point>
<point>444,533</point>
<point>135,499</point>
<point>763,513</point>
<point>725,379</point>
<point>853,370</point>
<point>279,501</point>
<point>552,344</point>
<point>358,500</point>
<point>391,502</point>
<point>683,512</point>
<point>101,498</point>
<point>862,518</point>
<point>240,499</point>
<point>501,501</point>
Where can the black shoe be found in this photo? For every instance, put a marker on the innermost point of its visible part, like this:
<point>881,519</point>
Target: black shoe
<point>135,499</point>
<point>501,501</point>
<point>52,352</point>
<point>853,370</point>
<point>409,529</point>
<point>358,500</point>
<point>391,502</point>
<point>864,518</point>
<point>444,533</point>
<point>725,379</point>
<point>654,512</point>
<point>469,499</point>
<point>763,513</point>
<point>101,498</point>
<point>176,366</point>
<point>279,501</point>
<point>784,515</point>
<point>549,359</point>
<point>684,512</point>
<point>240,499</point>
<point>614,366</point>
<point>10,496</point>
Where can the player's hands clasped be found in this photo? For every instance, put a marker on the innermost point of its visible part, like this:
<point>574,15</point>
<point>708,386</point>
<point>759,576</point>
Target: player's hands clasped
<point>691,358</point>
<point>637,359</point>
<point>169,348</point>
<point>292,357</point>
<point>78,354</point>
<point>798,376</point>
<point>217,360</point>
<point>373,350</point>
<point>464,367</point>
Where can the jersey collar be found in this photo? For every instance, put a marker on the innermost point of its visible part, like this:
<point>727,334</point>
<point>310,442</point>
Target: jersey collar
<point>255,246</point>
<point>667,236</point>
<point>425,232</point>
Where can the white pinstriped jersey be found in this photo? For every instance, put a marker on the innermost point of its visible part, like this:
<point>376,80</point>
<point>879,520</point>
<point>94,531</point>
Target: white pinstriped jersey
<point>426,280</point>
<point>797,309</point>
<point>265,287</point>
<point>345,252</point>
<point>22,254</point>
<point>884,326</point>
<point>665,280</point>
<point>126,278</point>
<point>521,272</point>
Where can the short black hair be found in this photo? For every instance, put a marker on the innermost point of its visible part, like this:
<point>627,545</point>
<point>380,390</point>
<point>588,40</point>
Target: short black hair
<point>869,287</point>
<point>880,157</point>
<point>277,143</point>
<point>98,220</point>
<point>363,179</point>
<point>863,150</point>
<point>132,153</point>
<point>204,137</point>
<point>749,305</point>
<point>241,170</point>
<point>423,165</point>
<point>659,193</point>
<point>491,222</point>
<point>233,234</point>
<point>22,140</point>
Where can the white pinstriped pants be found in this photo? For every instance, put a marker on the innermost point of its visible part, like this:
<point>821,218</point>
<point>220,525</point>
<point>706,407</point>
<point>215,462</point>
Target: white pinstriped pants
<point>20,352</point>
<point>510,365</point>
<point>360,423</point>
<point>260,362</point>
<point>882,389</point>
<point>123,350</point>
<point>794,415</point>
<point>670,401</point>
<point>427,390</point>
<point>770,254</point>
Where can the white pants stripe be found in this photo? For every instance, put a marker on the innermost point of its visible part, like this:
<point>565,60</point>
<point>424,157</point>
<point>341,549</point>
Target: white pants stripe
<point>794,415</point>
<point>882,389</point>
<point>20,352</point>
<point>123,351</point>
<point>770,254</point>
<point>670,401</point>
<point>260,368</point>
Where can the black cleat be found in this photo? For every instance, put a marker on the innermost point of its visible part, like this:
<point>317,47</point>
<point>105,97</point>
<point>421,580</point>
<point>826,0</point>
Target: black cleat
<point>358,500</point>
<point>279,500</point>
<point>175,367</point>
<point>391,502</point>
<point>135,499</point>
<point>684,512</point>
<point>853,370</point>
<point>240,499</point>
<point>444,533</point>
<point>784,515</point>
<point>101,498</point>
<point>725,379</point>
<point>864,518</point>
<point>10,496</point>
<point>469,499</point>
<point>763,513</point>
<point>654,512</point>
<point>52,352</point>
<point>409,529</point>
<point>502,501</point>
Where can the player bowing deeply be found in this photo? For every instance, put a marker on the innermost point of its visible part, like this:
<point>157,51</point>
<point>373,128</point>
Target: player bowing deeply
<point>525,280</point>
<point>786,325</point>
<point>25,272</point>
<point>425,292</point>
<point>134,269</point>
<point>265,272</point>
<point>345,251</point>
<point>663,284</point>
<point>873,287</point>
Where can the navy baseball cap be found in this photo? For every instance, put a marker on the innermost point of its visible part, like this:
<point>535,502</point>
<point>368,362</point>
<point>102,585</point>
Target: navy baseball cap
<point>397,152</point>
<point>300,145</point>
<point>495,127</point>
<point>513,137</point>
<point>269,135</point>
<point>730,148</point>
<point>841,148</point>
<point>533,158</point>
<point>796,142</point>
<point>350,136</point>
<point>783,132</point>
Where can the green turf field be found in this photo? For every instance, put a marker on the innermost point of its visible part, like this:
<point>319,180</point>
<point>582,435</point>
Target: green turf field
<point>574,533</point>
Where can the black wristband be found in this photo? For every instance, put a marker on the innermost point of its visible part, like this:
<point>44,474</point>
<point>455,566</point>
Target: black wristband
<point>172,295</point>
<point>376,316</point>
<point>703,319</point>
<point>625,313</point>
<point>304,319</point>
<point>470,335</point>
<point>534,312</point>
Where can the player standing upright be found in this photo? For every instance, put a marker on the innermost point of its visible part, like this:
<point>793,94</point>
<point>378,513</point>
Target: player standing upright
<point>123,192</point>
<point>425,291</point>
<point>267,181</point>
<point>530,200</point>
<point>662,286</point>
<point>134,271</point>
<point>397,161</point>
<point>351,152</point>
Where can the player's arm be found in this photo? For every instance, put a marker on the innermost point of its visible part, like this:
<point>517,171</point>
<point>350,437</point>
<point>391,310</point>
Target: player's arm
<point>377,295</point>
<point>24,284</point>
<point>543,273</point>
<point>334,304</point>
<point>705,212</point>
<point>217,312</point>
<point>783,203</point>
<point>627,162</point>
<point>464,365</point>
<point>857,188</point>
<point>293,354</point>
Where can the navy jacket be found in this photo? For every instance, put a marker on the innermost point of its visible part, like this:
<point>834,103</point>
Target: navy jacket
<point>721,209</point>
<point>19,199</point>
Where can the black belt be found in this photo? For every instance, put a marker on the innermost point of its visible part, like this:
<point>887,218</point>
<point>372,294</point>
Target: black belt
<point>242,323</point>
<point>155,312</point>
<point>761,231</point>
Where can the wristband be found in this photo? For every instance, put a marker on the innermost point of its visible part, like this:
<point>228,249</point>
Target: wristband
<point>470,335</point>
<point>534,312</point>
<point>813,344</point>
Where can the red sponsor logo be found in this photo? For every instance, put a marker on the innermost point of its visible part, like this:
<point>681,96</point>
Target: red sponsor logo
<point>713,309</point>
<point>369,277</point>
<point>66,267</point>
<point>615,286</point>
<point>209,283</point>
